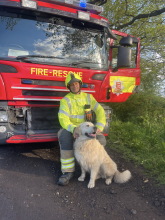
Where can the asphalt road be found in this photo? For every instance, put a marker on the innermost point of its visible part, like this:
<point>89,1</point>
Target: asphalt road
<point>29,190</point>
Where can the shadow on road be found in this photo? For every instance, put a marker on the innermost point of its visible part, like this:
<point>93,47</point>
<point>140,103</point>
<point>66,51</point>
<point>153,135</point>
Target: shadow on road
<point>35,158</point>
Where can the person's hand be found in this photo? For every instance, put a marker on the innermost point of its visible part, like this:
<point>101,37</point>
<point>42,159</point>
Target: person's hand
<point>75,134</point>
<point>98,131</point>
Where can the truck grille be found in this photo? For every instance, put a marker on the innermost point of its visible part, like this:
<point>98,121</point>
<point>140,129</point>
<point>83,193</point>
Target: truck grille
<point>44,119</point>
<point>43,103</point>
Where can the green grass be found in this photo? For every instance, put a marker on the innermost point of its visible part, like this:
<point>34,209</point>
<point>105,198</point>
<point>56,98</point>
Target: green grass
<point>139,134</point>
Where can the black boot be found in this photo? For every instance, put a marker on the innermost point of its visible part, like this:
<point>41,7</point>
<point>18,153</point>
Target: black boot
<point>64,179</point>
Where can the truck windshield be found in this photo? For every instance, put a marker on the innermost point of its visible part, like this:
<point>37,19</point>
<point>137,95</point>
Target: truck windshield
<point>41,38</point>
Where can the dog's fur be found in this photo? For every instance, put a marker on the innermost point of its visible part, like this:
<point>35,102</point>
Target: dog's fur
<point>93,158</point>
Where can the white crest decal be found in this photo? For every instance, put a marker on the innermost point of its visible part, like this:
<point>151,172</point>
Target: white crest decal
<point>118,87</point>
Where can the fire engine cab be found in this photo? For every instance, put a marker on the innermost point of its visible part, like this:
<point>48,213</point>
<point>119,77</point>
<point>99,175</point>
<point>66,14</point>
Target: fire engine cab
<point>41,42</point>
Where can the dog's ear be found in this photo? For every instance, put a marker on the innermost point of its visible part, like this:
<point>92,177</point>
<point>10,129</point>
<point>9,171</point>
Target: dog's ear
<point>77,130</point>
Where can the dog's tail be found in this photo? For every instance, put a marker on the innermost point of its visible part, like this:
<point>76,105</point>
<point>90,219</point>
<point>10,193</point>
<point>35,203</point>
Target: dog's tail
<point>122,177</point>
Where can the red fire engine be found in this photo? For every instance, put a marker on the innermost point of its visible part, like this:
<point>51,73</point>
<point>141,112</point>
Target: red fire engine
<point>41,41</point>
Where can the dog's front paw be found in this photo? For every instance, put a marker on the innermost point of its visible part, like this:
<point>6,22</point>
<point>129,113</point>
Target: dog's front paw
<point>81,178</point>
<point>108,181</point>
<point>91,185</point>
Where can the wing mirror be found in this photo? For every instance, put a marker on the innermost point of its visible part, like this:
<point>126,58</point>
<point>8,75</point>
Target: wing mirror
<point>126,41</point>
<point>124,57</point>
<point>124,53</point>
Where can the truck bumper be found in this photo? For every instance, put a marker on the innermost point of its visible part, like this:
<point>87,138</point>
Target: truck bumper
<point>18,139</point>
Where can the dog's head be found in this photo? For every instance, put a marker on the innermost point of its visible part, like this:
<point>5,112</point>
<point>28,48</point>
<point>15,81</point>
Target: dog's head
<point>87,129</point>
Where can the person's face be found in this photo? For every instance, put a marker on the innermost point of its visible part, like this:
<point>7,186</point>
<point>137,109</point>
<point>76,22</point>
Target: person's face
<point>74,87</point>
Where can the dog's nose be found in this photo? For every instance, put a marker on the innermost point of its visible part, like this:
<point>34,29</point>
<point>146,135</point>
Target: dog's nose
<point>94,129</point>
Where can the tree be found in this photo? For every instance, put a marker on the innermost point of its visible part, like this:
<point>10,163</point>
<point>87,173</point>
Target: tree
<point>144,19</point>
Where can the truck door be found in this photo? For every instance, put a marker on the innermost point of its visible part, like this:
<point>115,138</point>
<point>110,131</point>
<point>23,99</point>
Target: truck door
<point>123,80</point>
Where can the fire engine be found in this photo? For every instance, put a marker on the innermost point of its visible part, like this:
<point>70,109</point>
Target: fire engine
<point>41,42</point>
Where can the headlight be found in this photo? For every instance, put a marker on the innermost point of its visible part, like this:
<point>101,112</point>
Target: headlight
<point>3,116</point>
<point>99,76</point>
<point>29,4</point>
<point>2,129</point>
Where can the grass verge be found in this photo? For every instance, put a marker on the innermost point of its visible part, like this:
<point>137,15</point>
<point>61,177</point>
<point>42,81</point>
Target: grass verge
<point>142,139</point>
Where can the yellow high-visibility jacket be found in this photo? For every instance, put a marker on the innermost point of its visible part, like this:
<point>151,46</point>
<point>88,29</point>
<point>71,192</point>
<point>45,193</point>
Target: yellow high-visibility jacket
<point>71,112</point>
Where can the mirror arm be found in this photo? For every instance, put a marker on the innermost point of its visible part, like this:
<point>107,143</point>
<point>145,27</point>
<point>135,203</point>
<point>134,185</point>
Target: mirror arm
<point>114,46</point>
<point>110,33</point>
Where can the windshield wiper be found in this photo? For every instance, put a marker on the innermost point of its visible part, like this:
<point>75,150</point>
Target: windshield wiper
<point>35,56</point>
<point>83,61</point>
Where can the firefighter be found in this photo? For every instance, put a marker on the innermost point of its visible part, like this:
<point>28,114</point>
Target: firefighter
<point>75,108</point>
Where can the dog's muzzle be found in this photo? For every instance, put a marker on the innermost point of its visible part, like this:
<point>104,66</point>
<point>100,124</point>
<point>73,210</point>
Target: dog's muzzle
<point>93,134</point>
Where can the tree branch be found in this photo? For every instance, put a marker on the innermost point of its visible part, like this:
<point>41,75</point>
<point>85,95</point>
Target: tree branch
<point>142,5</point>
<point>152,14</point>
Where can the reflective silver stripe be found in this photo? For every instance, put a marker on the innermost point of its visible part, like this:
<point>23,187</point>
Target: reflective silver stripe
<point>68,160</point>
<point>48,89</point>
<point>68,102</point>
<point>65,113</point>
<point>69,128</point>
<point>44,89</point>
<point>77,116</point>
<point>35,99</point>
<point>97,104</point>
<point>88,91</point>
<point>101,124</point>
<point>89,99</point>
<point>68,166</point>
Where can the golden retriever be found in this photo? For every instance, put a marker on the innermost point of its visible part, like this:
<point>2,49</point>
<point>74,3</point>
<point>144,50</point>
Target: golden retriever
<point>93,158</point>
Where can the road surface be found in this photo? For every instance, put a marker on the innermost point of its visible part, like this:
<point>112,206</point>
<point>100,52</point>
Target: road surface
<point>29,190</point>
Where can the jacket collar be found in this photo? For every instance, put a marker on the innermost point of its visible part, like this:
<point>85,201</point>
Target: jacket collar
<point>75,95</point>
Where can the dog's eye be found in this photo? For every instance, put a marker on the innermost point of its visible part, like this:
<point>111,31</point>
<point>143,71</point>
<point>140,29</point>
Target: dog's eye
<point>87,125</point>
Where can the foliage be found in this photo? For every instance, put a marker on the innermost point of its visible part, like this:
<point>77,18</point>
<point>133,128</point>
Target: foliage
<point>139,106</point>
<point>138,132</point>
<point>10,22</point>
<point>143,19</point>
<point>138,126</point>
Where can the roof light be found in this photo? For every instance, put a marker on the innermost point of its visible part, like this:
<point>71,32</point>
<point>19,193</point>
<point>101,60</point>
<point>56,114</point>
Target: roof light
<point>83,15</point>
<point>29,4</point>
<point>77,4</point>
<point>83,4</point>
<point>69,2</point>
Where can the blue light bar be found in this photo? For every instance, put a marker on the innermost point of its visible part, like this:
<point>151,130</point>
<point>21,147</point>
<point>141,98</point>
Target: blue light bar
<point>27,81</point>
<point>83,4</point>
<point>85,86</point>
